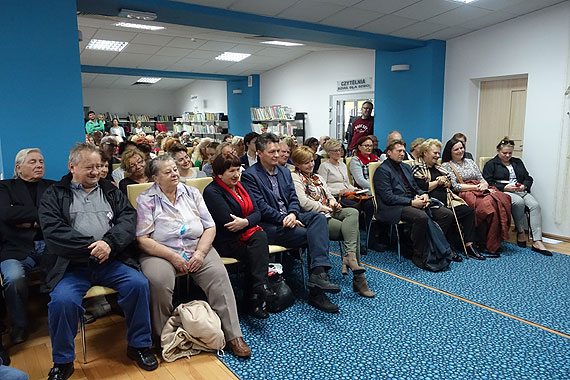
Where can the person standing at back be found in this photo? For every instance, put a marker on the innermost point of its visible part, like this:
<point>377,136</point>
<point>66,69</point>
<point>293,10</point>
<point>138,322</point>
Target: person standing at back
<point>363,126</point>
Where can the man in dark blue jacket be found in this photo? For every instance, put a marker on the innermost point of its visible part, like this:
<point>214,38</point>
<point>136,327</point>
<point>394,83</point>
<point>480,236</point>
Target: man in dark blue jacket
<point>272,188</point>
<point>88,225</point>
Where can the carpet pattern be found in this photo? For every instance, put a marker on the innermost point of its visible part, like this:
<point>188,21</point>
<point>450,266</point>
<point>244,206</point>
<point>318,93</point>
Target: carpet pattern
<point>405,332</point>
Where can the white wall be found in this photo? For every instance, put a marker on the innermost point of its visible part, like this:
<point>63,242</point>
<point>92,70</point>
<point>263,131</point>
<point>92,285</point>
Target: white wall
<point>305,84</point>
<point>212,92</point>
<point>537,45</point>
<point>121,102</point>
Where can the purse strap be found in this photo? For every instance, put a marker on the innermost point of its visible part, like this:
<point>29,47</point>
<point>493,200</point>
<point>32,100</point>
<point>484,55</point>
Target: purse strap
<point>456,174</point>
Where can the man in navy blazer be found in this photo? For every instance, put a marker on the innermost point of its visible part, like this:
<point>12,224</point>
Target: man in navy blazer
<point>272,188</point>
<point>249,158</point>
<point>399,198</point>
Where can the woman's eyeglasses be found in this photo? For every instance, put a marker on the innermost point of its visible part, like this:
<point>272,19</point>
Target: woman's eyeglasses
<point>508,142</point>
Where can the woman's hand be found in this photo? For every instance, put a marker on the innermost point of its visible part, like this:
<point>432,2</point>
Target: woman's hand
<point>335,205</point>
<point>510,188</point>
<point>344,191</point>
<point>326,209</point>
<point>196,261</point>
<point>482,186</point>
<point>179,263</point>
<point>237,224</point>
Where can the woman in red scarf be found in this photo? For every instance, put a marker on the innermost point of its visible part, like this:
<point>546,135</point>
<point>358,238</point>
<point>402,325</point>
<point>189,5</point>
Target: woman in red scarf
<point>359,163</point>
<point>238,235</point>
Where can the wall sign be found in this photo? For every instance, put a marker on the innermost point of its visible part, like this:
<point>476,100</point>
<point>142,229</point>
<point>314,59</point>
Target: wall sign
<point>354,84</point>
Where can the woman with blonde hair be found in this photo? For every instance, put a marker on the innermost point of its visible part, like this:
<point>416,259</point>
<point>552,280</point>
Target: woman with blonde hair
<point>314,196</point>
<point>199,155</point>
<point>239,145</point>
<point>133,163</point>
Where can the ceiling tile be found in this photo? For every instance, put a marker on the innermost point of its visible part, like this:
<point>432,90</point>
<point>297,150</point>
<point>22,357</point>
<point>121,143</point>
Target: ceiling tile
<point>129,60</point>
<point>417,30</point>
<point>141,49</point>
<point>488,20</point>
<point>447,34</point>
<point>310,11</point>
<point>86,78</point>
<point>217,46</point>
<point>459,15</point>
<point>173,52</point>
<point>87,32</point>
<point>384,6</point>
<point>204,54</point>
<point>262,7</point>
<point>495,5</point>
<point>387,24</point>
<point>126,81</point>
<point>97,57</point>
<point>351,18</point>
<point>346,3</point>
<point>151,39</point>
<point>159,62</point>
<point>425,9</point>
<point>114,35</point>
<point>209,3</point>
<point>530,6</point>
<point>188,64</point>
<point>186,43</point>
<point>103,81</point>
<point>251,49</point>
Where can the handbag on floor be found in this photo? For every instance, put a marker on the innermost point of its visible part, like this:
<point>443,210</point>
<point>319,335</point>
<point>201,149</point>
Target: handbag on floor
<point>437,251</point>
<point>285,297</point>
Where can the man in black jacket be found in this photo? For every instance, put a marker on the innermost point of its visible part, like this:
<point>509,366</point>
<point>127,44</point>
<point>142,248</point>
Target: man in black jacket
<point>88,225</point>
<point>22,240</point>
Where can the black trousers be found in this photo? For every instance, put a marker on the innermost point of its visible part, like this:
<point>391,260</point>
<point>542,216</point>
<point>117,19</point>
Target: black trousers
<point>418,218</point>
<point>466,216</point>
<point>255,254</point>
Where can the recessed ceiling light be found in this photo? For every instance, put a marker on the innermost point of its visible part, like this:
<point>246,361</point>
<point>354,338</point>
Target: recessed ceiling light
<point>233,57</point>
<point>139,26</point>
<point>106,45</point>
<point>282,43</point>
<point>463,1</point>
<point>148,80</point>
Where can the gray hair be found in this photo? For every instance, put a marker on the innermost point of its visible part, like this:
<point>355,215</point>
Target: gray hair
<point>21,158</point>
<point>264,139</point>
<point>107,139</point>
<point>75,152</point>
<point>152,167</point>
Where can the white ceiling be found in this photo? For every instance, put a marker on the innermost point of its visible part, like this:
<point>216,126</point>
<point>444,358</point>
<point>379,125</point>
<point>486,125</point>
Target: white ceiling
<point>192,49</point>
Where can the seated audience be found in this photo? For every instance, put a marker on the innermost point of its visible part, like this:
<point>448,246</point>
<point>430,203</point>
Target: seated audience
<point>284,154</point>
<point>225,149</point>
<point>414,148</point>
<point>185,170</point>
<point>21,238</point>
<point>89,139</point>
<point>175,231</point>
<point>398,198</point>
<point>238,234</point>
<point>116,129</point>
<point>492,208</point>
<point>88,226</point>
<point>392,136</point>
<point>313,143</point>
<point>101,119</point>
<point>239,145</point>
<point>227,138</point>
<point>93,124</point>
<point>119,173</point>
<point>508,174</point>
<point>375,150</point>
<point>185,140</point>
<point>342,222</point>
<point>108,148</point>
<point>133,164</point>
<point>322,141</point>
<point>199,155</point>
<point>360,161</point>
<point>210,155</point>
<point>272,189</point>
<point>250,156</point>
<point>138,129</point>
<point>433,179</point>
<point>461,137</point>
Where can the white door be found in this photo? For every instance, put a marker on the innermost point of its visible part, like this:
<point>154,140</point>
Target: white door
<point>342,107</point>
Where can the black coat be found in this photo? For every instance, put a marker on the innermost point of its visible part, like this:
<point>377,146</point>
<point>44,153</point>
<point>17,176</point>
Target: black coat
<point>221,204</point>
<point>495,171</point>
<point>17,207</point>
<point>65,245</point>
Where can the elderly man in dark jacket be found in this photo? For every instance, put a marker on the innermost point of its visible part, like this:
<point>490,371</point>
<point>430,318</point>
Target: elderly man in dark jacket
<point>88,226</point>
<point>22,241</point>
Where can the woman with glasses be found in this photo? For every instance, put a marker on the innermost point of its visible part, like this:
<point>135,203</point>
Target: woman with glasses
<point>180,154</point>
<point>359,163</point>
<point>133,163</point>
<point>508,174</point>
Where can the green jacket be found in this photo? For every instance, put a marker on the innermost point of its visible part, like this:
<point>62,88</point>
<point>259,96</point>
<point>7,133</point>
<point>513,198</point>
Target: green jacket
<point>92,126</point>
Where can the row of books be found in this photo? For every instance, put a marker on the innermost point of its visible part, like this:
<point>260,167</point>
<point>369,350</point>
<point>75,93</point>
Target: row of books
<point>201,116</point>
<point>197,128</point>
<point>272,113</point>
<point>280,129</point>
<point>132,118</point>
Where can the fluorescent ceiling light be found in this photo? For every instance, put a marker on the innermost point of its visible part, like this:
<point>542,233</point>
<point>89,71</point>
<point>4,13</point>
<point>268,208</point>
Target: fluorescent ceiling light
<point>282,43</point>
<point>148,80</point>
<point>233,57</point>
<point>138,15</point>
<point>139,26</point>
<point>463,1</point>
<point>106,45</point>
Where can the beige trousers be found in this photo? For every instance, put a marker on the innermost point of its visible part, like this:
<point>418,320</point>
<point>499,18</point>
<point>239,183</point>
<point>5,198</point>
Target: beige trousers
<point>212,278</point>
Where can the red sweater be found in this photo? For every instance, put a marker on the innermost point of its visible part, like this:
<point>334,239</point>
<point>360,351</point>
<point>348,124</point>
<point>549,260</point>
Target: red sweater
<point>361,127</point>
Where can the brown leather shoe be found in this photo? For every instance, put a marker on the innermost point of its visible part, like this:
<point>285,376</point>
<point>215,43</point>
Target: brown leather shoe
<point>238,347</point>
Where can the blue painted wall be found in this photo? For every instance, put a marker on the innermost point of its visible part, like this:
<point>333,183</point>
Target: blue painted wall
<point>410,101</point>
<point>40,98</point>
<point>239,104</point>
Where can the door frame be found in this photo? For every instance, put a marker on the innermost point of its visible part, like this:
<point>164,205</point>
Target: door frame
<point>334,113</point>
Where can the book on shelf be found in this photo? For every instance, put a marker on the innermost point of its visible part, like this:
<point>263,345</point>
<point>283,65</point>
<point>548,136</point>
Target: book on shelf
<point>272,113</point>
<point>279,129</point>
<point>198,128</point>
<point>190,117</point>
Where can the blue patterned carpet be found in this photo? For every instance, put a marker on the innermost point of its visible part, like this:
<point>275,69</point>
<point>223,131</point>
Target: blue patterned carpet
<point>410,332</point>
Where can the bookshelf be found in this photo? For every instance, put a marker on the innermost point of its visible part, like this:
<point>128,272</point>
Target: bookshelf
<point>149,123</point>
<point>207,124</point>
<point>282,121</point>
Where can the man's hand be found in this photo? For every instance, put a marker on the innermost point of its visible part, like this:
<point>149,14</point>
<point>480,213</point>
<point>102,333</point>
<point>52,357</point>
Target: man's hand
<point>236,224</point>
<point>101,250</point>
<point>196,261</point>
<point>290,221</point>
<point>420,202</point>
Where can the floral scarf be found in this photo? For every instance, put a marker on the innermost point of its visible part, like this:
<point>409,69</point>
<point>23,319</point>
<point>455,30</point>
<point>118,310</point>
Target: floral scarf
<point>314,188</point>
<point>420,170</point>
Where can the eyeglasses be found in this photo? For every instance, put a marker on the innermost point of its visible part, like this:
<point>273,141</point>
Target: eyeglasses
<point>138,163</point>
<point>507,142</point>
<point>367,145</point>
<point>335,150</point>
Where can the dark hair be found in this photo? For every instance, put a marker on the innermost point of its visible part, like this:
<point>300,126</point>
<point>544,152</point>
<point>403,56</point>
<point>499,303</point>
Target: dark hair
<point>506,141</point>
<point>264,139</point>
<point>221,163</point>
<point>114,119</point>
<point>177,147</point>
<point>361,140</point>
<point>368,102</point>
<point>123,146</point>
<point>311,141</point>
<point>212,145</point>
<point>250,136</point>
<point>393,144</point>
<point>459,135</point>
<point>224,137</point>
<point>446,155</point>
<point>91,112</point>
<point>145,148</point>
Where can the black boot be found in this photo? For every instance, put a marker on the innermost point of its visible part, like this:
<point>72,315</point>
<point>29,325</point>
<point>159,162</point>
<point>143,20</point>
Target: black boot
<point>319,300</point>
<point>257,306</point>
<point>473,253</point>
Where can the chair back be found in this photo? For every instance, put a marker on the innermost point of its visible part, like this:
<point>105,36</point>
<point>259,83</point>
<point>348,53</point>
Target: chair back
<point>409,162</point>
<point>199,183</point>
<point>133,191</point>
<point>483,161</point>
<point>371,170</point>
<point>347,161</point>
<point>115,166</point>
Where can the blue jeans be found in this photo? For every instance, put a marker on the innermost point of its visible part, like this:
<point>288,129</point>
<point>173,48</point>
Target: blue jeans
<point>317,228</point>
<point>9,373</point>
<point>64,309</point>
<point>16,285</point>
